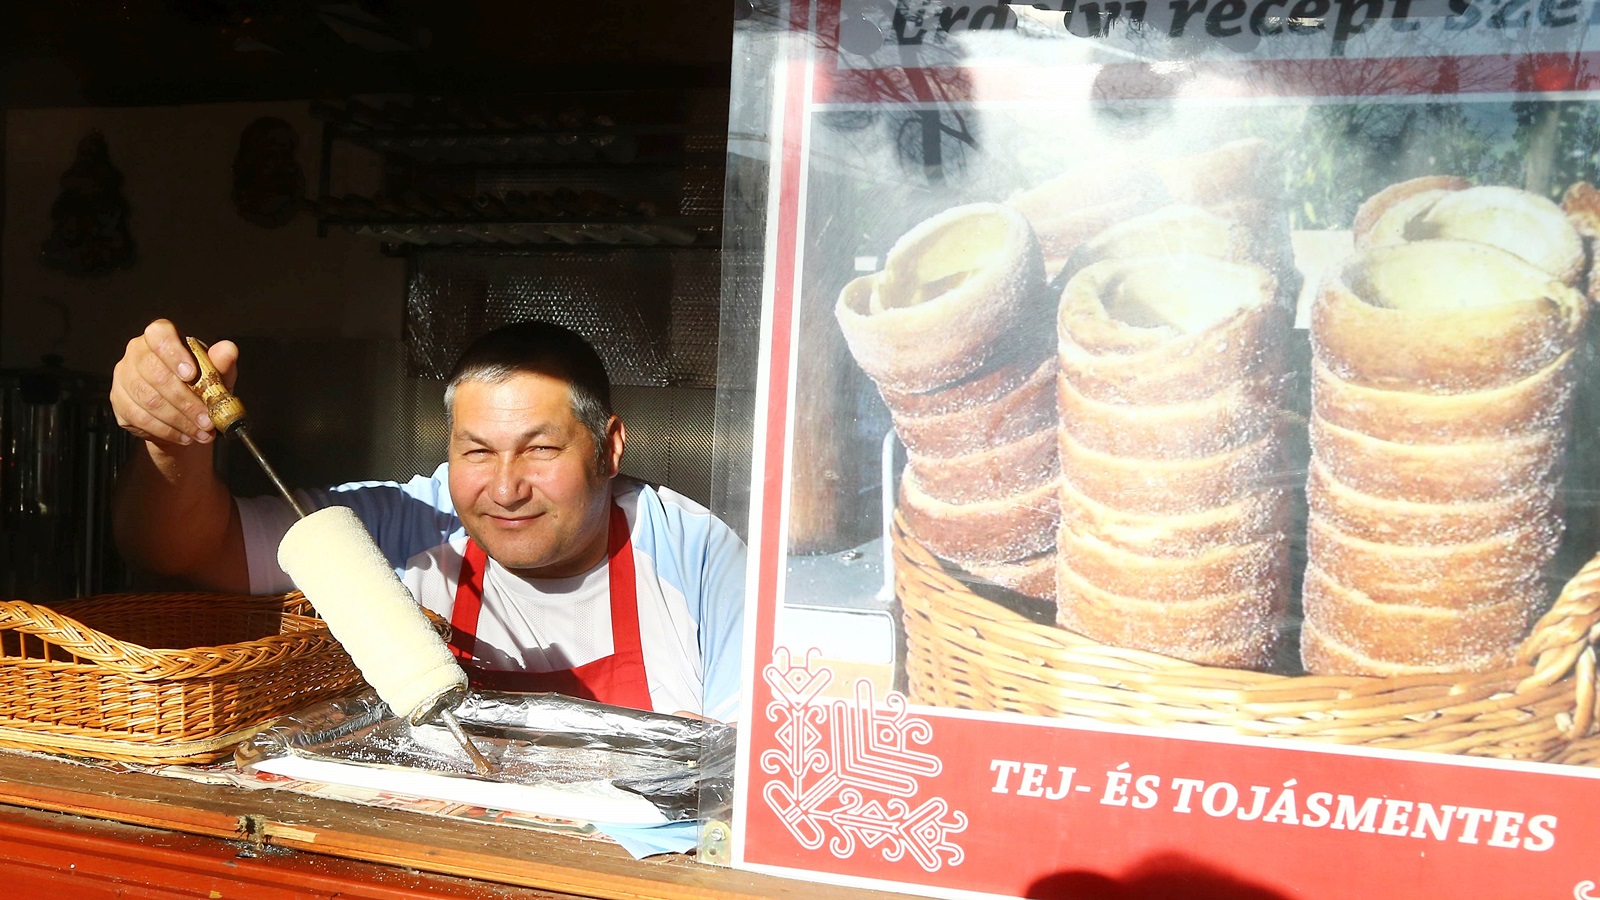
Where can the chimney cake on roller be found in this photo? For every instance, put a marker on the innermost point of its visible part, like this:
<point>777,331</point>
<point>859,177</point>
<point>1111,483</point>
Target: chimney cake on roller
<point>333,560</point>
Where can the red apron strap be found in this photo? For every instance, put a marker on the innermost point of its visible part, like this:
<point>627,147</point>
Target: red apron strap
<point>469,602</point>
<point>618,679</point>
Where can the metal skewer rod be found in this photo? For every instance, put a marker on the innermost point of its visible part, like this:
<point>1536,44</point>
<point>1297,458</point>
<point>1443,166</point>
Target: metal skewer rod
<point>479,761</point>
<point>243,435</point>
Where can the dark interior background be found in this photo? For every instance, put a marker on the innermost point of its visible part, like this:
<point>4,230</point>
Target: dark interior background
<point>328,317</point>
<point>140,52</point>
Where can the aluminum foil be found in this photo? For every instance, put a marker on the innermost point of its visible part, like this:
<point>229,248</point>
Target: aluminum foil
<point>530,739</point>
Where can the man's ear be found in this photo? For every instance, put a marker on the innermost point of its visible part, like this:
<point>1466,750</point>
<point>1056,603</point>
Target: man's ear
<point>616,440</point>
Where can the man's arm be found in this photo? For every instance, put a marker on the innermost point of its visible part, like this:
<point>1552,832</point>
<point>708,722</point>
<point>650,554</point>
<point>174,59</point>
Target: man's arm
<point>171,514</point>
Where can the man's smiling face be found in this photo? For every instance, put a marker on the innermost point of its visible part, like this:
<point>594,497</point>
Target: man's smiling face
<point>527,479</point>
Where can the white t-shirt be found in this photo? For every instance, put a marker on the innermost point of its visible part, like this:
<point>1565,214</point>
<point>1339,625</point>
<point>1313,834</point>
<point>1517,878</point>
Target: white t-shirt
<point>688,570</point>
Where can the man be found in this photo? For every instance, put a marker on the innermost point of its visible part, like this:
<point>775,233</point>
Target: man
<point>555,573</point>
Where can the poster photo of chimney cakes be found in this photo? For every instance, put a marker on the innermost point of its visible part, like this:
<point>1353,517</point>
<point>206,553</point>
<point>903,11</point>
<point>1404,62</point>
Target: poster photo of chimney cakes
<point>1272,428</point>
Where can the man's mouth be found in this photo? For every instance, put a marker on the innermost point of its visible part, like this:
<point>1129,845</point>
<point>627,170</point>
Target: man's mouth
<point>501,521</point>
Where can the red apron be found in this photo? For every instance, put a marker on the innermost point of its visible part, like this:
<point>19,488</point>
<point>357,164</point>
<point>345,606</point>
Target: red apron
<point>618,679</point>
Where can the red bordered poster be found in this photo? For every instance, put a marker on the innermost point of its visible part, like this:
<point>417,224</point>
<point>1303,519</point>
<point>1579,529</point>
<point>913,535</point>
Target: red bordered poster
<point>1175,458</point>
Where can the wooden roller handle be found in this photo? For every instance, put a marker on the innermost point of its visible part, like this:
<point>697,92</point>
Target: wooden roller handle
<point>226,410</point>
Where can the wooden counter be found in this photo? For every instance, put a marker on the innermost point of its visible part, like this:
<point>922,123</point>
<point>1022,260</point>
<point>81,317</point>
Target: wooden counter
<point>82,831</point>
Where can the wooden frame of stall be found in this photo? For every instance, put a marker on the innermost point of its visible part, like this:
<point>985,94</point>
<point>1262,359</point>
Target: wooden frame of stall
<point>87,832</point>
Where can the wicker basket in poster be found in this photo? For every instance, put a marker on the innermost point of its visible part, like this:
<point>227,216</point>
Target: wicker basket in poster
<point>161,678</point>
<point>966,651</point>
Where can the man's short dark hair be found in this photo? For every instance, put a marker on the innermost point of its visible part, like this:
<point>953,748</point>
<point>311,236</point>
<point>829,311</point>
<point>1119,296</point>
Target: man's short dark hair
<point>544,348</point>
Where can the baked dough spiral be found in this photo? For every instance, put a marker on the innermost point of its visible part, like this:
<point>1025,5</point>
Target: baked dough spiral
<point>1441,389</point>
<point>1172,536</point>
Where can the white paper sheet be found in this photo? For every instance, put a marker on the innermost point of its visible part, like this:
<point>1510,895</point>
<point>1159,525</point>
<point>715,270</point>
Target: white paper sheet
<point>596,802</point>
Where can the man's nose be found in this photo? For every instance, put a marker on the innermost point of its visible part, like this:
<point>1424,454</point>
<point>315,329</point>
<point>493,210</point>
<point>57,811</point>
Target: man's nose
<point>512,484</point>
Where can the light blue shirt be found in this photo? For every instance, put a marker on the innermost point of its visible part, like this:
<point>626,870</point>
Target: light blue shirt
<point>684,557</point>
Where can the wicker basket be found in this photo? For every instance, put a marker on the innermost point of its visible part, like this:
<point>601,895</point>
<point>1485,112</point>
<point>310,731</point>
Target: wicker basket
<point>161,678</point>
<point>968,652</point>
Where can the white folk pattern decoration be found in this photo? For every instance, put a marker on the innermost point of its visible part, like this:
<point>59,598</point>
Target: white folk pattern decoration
<point>846,774</point>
